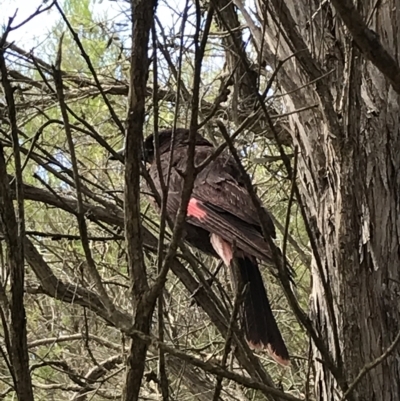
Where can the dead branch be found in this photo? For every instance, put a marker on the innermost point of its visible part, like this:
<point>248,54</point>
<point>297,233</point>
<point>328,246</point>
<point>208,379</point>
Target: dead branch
<point>13,229</point>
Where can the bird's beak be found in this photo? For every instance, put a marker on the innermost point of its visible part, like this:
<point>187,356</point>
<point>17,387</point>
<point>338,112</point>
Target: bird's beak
<point>120,152</point>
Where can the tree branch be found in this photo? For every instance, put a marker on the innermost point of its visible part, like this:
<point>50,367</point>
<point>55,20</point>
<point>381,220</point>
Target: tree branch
<point>13,229</point>
<point>91,68</point>
<point>80,214</point>
<point>142,16</point>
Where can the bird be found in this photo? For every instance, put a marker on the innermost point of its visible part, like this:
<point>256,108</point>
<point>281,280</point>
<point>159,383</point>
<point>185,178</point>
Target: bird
<point>221,221</point>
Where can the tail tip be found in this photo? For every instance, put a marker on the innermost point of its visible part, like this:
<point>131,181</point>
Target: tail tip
<point>259,346</point>
<point>282,360</point>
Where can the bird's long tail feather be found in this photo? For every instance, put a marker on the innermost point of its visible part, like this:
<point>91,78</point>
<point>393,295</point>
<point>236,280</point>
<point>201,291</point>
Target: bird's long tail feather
<point>259,323</point>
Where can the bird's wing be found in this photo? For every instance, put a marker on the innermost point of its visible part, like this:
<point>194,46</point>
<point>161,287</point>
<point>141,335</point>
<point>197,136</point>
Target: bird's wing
<point>221,185</point>
<point>245,236</point>
<point>219,203</point>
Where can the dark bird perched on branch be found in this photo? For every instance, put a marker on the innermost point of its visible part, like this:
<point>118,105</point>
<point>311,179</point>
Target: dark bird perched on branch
<point>223,222</point>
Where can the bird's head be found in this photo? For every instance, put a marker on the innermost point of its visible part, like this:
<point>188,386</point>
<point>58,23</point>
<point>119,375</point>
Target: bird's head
<point>164,142</point>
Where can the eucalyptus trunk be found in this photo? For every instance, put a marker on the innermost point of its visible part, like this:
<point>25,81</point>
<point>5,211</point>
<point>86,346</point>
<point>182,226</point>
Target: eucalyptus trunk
<point>348,175</point>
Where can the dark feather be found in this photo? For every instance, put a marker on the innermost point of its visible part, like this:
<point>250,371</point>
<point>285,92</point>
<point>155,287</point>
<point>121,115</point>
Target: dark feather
<point>259,323</point>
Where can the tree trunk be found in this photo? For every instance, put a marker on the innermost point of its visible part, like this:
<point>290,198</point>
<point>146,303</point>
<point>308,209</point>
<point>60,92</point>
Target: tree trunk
<point>348,174</point>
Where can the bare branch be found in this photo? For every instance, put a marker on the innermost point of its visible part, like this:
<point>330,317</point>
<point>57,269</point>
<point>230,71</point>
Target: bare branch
<point>13,229</point>
<point>80,212</point>
<point>216,369</point>
<point>91,68</point>
<point>142,14</point>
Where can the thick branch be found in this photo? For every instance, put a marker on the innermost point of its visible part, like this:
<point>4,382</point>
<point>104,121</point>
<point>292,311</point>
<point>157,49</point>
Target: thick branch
<point>13,229</point>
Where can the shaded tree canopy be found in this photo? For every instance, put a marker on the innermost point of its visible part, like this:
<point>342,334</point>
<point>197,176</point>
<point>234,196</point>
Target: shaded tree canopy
<point>100,298</point>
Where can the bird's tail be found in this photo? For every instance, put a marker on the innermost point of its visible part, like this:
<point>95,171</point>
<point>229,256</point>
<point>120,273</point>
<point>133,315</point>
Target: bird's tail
<point>260,326</point>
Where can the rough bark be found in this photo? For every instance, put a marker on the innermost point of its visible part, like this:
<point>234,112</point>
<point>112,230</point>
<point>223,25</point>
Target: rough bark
<point>348,176</point>
<point>142,18</point>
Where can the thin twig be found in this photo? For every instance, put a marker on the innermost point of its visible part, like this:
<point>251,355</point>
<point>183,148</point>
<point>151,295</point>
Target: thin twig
<point>216,369</point>
<point>162,370</point>
<point>289,207</point>
<point>38,11</point>
<point>240,292</point>
<point>59,236</point>
<point>91,68</point>
<point>80,215</point>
